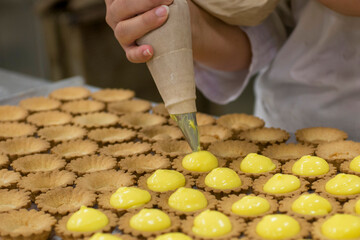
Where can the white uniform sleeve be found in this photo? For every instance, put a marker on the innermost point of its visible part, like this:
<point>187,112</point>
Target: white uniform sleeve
<point>222,87</point>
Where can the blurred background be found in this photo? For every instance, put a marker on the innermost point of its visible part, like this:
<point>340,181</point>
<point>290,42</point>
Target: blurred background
<point>57,39</point>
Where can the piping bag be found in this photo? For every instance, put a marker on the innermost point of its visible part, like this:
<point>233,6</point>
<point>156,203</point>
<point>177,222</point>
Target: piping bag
<point>172,69</point>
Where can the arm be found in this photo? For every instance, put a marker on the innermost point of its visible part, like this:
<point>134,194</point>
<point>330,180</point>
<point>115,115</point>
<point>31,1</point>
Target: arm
<point>346,7</point>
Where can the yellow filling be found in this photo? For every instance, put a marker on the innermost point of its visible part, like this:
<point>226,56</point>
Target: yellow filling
<point>201,161</point>
<point>281,183</point>
<point>357,207</point>
<point>255,163</point>
<point>341,226</point>
<point>355,164</point>
<point>150,220</point>
<point>87,220</point>
<point>250,206</point>
<point>310,166</point>
<point>211,224</point>
<point>311,204</point>
<point>223,178</point>
<point>129,197</point>
<point>187,200</point>
<point>343,184</point>
<point>173,236</point>
<point>165,180</point>
<point>104,236</point>
<point>277,226</point>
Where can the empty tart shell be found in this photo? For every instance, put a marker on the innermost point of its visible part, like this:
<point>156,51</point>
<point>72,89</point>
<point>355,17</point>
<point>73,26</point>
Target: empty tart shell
<point>64,233</point>
<point>240,122</point>
<point>129,106</point>
<point>124,226</point>
<point>104,203</point>
<point>160,133</point>
<point>122,150</point>
<point>9,179</point>
<point>202,119</point>
<point>259,183</point>
<point>232,149</point>
<point>37,104</point>
<point>38,163</point>
<point>317,135</point>
<point>237,228</point>
<point>164,205</point>
<point>49,118</point>
<point>41,182</point>
<point>25,224</point>
<point>141,120</point>
<point>105,181</point>
<point>144,163</point>
<point>226,203</point>
<point>75,148</point>
<point>14,199</point>
<point>113,95</point>
<point>172,148</point>
<point>82,106</point>
<point>177,165</point>
<point>93,163</point>
<point>111,135</point>
<point>337,152</point>
<point>17,147</point>
<point>12,113</point>
<point>235,165</point>
<point>286,206</point>
<point>213,133</point>
<point>4,161</point>
<point>96,120</point>
<point>349,207</point>
<point>287,168</point>
<point>61,201</point>
<point>13,130</point>
<point>70,93</point>
<point>58,134</point>
<point>160,109</point>
<point>284,152</point>
<point>265,136</point>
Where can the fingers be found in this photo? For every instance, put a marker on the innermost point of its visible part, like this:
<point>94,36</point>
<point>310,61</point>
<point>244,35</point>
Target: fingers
<point>128,31</point>
<point>139,54</point>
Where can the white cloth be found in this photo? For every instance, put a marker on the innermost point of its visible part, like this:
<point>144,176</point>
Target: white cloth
<point>308,59</point>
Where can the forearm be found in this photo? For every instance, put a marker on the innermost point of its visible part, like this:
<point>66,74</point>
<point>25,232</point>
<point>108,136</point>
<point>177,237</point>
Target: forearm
<point>346,7</point>
<point>216,44</point>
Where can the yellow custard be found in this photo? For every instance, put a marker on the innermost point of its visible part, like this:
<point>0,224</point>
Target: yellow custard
<point>187,200</point>
<point>87,220</point>
<point>343,184</point>
<point>129,197</point>
<point>250,206</point>
<point>173,236</point>
<point>211,224</point>
<point>201,161</point>
<point>277,226</point>
<point>163,180</point>
<point>310,166</point>
<point>355,164</point>
<point>255,163</point>
<point>104,236</point>
<point>311,204</point>
<point>357,207</point>
<point>223,178</point>
<point>150,220</point>
<point>282,183</point>
<point>341,226</point>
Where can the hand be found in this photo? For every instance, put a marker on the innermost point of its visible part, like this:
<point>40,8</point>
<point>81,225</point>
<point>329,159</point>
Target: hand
<point>132,19</point>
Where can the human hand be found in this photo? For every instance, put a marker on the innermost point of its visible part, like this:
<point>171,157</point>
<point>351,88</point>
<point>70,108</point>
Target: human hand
<point>132,19</point>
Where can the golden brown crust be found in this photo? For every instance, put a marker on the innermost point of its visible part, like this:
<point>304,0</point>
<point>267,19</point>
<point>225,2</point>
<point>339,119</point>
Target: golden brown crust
<point>70,93</point>
<point>106,136</point>
<point>177,165</point>
<point>225,206</point>
<point>232,149</point>
<point>92,163</point>
<point>59,134</point>
<point>105,181</point>
<point>129,106</point>
<point>141,120</point>
<point>75,148</point>
<point>37,104</point>
<point>265,136</point>
<point>160,109</point>
<point>235,165</point>
<point>109,95</point>
<point>14,130</point>
<point>122,236</point>
<point>15,225</point>
<point>284,152</point>
<point>317,135</point>
<point>38,163</point>
<point>345,168</point>
<point>349,207</point>
<point>286,206</point>
<point>12,113</point>
<point>124,226</point>
<point>95,120</point>
<point>144,163</point>
<point>49,118</point>
<point>122,150</point>
<point>14,199</point>
<point>240,122</point>
<point>171,148</point>
<point>4,161</point>
<point>61,201</point>
<point>339,151</point>
<point>82,106</point>
<point>22,146</point>
<point>9,179</point>
<point>160,133</point>
<point>213,133</point>
<point>61,230</point>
